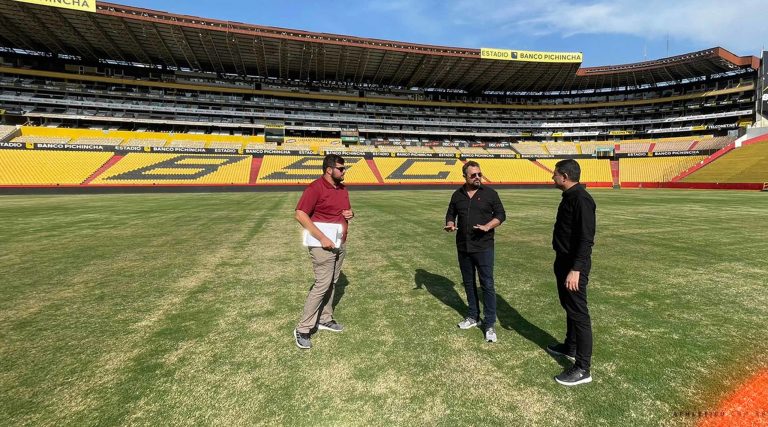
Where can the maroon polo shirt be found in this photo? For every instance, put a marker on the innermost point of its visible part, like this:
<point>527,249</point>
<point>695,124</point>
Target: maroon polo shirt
<point>323,203</point>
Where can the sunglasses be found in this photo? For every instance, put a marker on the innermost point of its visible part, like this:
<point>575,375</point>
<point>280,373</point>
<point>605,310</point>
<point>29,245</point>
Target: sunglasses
<point>340,168</point>
<point>476,175</point>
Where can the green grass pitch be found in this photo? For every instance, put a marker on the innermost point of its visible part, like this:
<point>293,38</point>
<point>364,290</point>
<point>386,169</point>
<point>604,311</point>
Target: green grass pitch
<point>177,309</point>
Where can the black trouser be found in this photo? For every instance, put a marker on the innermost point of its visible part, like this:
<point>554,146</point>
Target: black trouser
<point>482,262</point>
<point>578,334</point>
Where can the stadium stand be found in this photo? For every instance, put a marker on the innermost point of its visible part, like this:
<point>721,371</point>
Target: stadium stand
<point>165,169</point>
<point>42,139</point>
<point>561,148</point>
<point>589,147</point>
<point>428,170</point>
<point>38,167</point>
<point>715,143</point>
<point>513,171</point>
<point>592,170</point>
<point>187,143</point>
<point>740,165</point>
<point>97,141</point>
<point>305,169</point>
<point>634,147</point>
<point>7,132</point>
<point>166,104</point>
<point>529,148</point>
<point>655,169</point>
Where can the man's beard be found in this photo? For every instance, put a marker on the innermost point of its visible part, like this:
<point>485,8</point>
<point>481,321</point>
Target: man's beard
<point>475,184</point>
<point>338,180</point>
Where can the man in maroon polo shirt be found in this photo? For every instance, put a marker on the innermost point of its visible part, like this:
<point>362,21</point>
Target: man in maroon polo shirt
<point>325,200</point>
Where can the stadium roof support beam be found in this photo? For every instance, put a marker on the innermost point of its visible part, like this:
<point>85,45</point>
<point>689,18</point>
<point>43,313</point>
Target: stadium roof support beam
<point>489,84</point>
<point>238,55</point>
<point>342,54</point>
<point>301,63</point>
<point>397,70</point>
<point>362,66</point>
<point>146,58</point>
<point>82,41</point>
<point>382,61</point>
<point>417,72</point>
<point>260,56</point>
<point>46,33</point>
<point>111,45</point>
<point>195,63</point>
<point>437,72</point>
<point>15,33</point>
<point>479,84</point>
<point>216,52</point>
<point>203,38</point>
<point>160,40</point>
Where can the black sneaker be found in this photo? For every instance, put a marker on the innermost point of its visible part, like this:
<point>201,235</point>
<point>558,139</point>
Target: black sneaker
<point>302,340</point>
<point>574,376</point>
<point>561,350</point>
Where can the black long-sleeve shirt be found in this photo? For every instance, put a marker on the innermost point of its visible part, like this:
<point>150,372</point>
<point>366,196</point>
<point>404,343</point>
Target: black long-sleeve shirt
<point>480,209</point>
<point>574,233</point>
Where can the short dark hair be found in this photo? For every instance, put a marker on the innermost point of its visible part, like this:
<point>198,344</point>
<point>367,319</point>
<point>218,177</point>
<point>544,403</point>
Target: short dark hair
<point>570,168</point>
<point>469,164</point>
<point>330,161</point>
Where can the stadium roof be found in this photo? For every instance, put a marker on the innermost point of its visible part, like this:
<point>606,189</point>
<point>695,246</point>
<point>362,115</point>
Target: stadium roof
<point>136,35</point>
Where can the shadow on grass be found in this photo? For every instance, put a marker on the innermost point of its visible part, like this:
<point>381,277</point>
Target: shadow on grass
<point>341,285</point>
<point>441,288</point>
<point>510,319</point>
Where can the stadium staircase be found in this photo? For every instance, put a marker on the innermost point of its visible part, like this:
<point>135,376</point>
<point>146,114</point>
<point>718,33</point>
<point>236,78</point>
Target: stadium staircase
<point>255,167</point>
<point>719,153</point>
<point>375,170</point>
<point>615,173</point>
<point>108,164</point>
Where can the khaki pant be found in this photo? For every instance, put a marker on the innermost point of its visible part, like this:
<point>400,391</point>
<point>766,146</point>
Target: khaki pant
<point>319,304</point>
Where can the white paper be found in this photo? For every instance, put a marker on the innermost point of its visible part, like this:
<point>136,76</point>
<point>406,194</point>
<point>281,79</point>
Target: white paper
<point>332,231</point>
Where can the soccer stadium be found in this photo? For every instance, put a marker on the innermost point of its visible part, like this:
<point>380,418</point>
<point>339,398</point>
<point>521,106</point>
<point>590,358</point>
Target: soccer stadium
<point>151,163</point>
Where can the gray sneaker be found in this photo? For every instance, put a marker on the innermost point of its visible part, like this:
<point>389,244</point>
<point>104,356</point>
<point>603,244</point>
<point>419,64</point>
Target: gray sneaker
<point>302,340</point>
<point>332,326</point>
<point>490,335</point>
<point>468,323</point>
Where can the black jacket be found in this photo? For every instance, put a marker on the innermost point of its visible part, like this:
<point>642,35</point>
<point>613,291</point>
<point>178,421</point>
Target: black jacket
<point>480,209</point>
<point>574,232</point>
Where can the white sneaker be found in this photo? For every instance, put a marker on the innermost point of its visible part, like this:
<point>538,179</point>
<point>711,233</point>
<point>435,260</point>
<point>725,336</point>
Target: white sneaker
<point>490,335</point>
<point>468,323</point>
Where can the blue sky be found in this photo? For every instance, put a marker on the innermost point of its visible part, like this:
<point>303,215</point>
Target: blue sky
<point>608,32</point>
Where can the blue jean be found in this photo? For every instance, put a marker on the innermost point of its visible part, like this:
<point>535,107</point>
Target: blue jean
<point>482,263</point>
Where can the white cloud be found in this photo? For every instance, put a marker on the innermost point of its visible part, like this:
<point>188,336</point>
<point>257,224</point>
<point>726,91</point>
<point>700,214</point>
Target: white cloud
<point>737,25</point>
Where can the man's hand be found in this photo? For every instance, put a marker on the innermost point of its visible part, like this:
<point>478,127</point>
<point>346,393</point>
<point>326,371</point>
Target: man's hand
<point>572,281</point>
<point>449,227</point>
<point>326,243</point>
<point>347,214</point>
<point>482,227</point>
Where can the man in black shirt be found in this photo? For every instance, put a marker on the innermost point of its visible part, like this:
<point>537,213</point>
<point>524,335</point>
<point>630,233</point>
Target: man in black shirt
<point>479,211</point>
<point>572,240</point>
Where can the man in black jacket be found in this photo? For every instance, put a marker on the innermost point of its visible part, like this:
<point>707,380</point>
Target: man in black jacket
<point>572,240</point>
<point>479,211</point>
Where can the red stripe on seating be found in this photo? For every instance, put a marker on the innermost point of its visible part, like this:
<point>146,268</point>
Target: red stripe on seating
<point>255,167</point>
<point>375,170</point>
<point>112,160</point>
<point>705,162</point>
<point>536,162</point>
<point>615,171</point>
